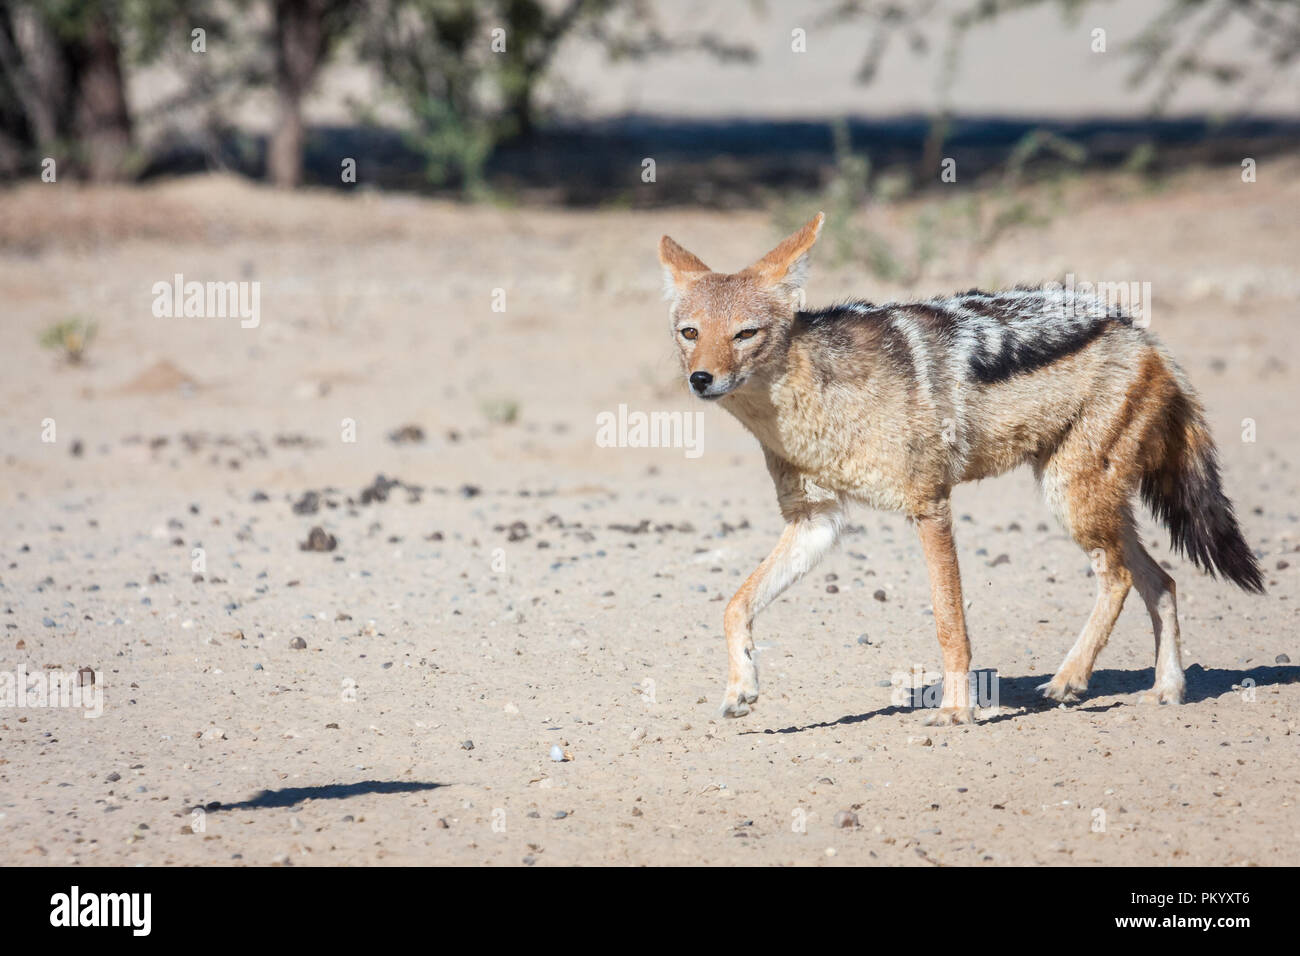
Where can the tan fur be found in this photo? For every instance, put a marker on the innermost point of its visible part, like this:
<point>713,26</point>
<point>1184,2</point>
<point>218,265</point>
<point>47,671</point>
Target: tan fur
<point>867,415</point>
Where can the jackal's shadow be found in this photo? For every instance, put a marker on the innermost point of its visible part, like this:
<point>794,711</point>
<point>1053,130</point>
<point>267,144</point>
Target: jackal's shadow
<point>1022,692</point>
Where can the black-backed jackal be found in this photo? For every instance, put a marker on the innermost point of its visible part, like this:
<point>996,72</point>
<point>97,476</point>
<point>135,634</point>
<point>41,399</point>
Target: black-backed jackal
<point>893,405</point>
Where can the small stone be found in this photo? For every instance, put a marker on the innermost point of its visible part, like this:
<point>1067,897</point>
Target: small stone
<point>298,644</point>
<point>846,820</point>
<point>880,595</point>
<point>863,639</point>
<point>467,745</point>
<point>113,777</point>
<point>407,434</point>
<point>318,540</point>
<point>1281,659</point>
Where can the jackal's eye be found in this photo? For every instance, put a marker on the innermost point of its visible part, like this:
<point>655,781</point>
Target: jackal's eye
<point>746,333</point>
<point>689,333</point>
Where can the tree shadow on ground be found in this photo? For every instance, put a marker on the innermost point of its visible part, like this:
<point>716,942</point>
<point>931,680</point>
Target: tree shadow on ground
<point>292,796</point>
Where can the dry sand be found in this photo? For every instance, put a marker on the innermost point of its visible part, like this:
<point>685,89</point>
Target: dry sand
<point>536,591</point>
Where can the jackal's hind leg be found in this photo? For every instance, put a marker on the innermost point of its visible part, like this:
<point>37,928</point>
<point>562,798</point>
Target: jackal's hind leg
<point>1072,676</point>
<point>1101,531</point>
<point>806,538</point>
<point>1157,591</point>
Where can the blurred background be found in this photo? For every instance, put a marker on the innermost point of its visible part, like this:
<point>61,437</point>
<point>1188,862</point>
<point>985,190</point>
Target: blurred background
<point>547,100</point>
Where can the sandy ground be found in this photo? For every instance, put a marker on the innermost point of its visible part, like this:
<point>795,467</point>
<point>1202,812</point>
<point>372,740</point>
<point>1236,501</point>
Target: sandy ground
<point>524,589</point>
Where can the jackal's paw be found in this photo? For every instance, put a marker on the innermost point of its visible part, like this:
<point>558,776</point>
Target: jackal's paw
<point>1171,693</point>
<point>1066,691</point>
<point>736,703</point>
<point>946,716</point>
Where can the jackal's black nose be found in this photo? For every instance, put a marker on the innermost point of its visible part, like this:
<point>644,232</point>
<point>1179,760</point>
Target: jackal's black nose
<point>701,380</point>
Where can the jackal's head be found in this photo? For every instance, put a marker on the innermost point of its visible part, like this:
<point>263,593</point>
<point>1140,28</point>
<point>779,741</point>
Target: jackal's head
<point>728,326</point>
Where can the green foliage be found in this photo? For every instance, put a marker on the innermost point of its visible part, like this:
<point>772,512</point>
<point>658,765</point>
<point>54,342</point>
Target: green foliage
<point>71,337</point>
<point>968,224</point>
<point>469,90</point>
<point>500,411</point>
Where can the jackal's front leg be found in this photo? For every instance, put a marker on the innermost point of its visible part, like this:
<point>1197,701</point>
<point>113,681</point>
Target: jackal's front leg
<point>935,529</point>
<point>803,542</point>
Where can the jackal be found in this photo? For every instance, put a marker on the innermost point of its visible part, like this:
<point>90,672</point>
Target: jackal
<point>892,405</point>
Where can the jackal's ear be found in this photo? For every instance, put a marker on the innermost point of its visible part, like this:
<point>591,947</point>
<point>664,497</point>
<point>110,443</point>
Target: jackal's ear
<point>786,267</point>
<point>680,267</point>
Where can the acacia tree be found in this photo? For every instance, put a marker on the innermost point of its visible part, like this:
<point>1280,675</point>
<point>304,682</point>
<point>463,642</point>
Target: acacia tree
<point>1177,43</point>
<point>304,31</point>
<point>62,90</point>
<point>469,71</point>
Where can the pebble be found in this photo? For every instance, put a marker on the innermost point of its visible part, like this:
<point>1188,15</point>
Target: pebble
<point>846,819</point>
<point>880,595</point>
<point>318,540</point>
<point>298,644</point>
<point>557,754</point>
<point>1281,659</point>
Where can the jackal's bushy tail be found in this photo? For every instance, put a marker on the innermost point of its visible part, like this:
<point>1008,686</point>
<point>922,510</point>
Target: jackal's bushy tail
<point>1184,491</point>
